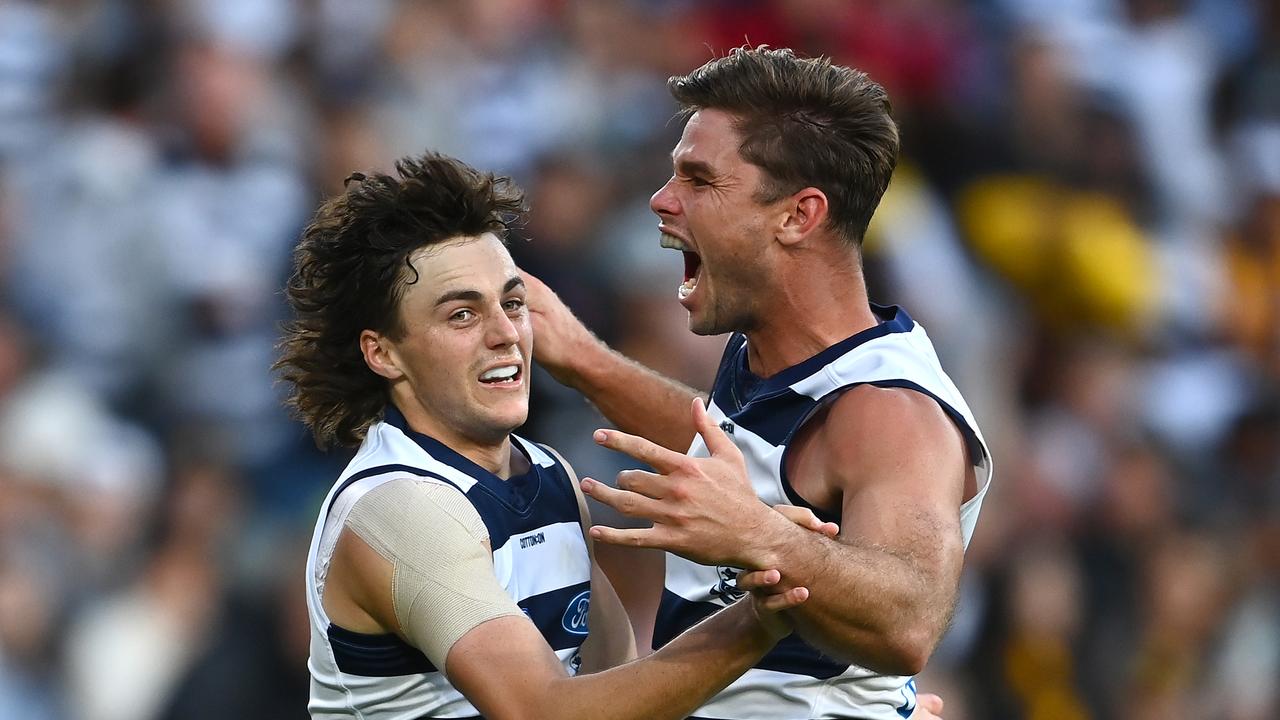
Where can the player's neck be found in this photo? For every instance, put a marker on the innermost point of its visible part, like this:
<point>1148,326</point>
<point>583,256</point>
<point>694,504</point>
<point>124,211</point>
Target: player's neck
<point>817,308</point>
<point>497,457</point>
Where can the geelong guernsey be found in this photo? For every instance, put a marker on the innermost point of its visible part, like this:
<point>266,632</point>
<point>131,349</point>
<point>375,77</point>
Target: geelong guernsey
<point>762,416</point>
<point>539,556</point>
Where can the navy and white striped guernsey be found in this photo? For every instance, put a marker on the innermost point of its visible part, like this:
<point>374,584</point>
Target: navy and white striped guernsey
<point>761,416</point>
<point>539,556</point>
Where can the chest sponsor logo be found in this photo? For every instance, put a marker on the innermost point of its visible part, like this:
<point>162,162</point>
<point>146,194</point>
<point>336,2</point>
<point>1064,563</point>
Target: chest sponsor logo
<point>727,427</point>
<point>529,541</point>
<point>575,616</point>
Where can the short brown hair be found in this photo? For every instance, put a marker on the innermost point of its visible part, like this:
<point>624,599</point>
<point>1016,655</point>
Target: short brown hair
<point>351,268</point>
<point>807,123</point>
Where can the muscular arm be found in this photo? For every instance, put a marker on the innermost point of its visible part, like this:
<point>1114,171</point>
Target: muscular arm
<point>883,591</point>
<point>633,397</point>
<point>895,466</point>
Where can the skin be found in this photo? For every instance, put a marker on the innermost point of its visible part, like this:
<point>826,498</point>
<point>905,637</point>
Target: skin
<point>464,314</point>
<point>889,461</point>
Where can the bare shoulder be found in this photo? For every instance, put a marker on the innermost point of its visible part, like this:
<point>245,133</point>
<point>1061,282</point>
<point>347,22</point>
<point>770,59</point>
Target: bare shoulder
<point>896,416</point>
<point>873,434</point>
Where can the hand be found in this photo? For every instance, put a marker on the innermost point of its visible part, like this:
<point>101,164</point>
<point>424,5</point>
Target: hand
<point>701,508</point>
<point>769,600</point>
<point>558,335</point>
<point>805,518</point>
<point>757,581</point>
<point>928,707</point>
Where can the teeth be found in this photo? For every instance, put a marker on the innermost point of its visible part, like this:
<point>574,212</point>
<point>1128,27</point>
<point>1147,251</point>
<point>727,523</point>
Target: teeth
<point>686,287</point>
<point>671,241</point>
<point>501,373</point>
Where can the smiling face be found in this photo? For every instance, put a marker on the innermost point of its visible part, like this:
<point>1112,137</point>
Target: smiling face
<point>709,211</point>
<point>459,367</point>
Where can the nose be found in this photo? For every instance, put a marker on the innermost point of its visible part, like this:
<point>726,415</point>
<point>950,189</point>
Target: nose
<point>501,331</point>
<point>664,201</point>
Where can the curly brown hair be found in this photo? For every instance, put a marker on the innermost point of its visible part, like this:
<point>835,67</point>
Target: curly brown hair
<point>806,122</point>
<point>351,268</point>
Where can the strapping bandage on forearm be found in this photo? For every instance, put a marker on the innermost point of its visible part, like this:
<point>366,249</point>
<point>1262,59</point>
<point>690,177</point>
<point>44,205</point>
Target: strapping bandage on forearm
<point>443,583</point>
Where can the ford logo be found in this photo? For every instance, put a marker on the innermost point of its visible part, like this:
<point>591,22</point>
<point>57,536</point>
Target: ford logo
<point>575,616</point>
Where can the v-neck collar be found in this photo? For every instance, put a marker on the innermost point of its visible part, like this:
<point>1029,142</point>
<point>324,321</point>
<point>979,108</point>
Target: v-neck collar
<point>748,386</point>
<point>518,491</point>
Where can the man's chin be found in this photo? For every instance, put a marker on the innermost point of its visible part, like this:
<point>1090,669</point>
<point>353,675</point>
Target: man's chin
<point>706,326</point>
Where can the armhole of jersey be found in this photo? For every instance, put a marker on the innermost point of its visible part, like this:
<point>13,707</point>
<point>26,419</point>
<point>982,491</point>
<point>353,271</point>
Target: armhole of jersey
<point>584,518</point>
<point>977,452</point>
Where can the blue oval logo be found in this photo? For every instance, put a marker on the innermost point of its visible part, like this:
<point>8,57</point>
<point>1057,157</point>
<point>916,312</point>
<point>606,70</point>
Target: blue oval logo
<point>575,616</point>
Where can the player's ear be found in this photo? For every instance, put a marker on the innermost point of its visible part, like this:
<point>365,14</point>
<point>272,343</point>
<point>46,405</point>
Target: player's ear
<point>806,211</point>
<point>379,354</point>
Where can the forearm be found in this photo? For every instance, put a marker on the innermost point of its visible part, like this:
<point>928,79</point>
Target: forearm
<point>675,680</point>
<point>868,605</point>
<point>633,397</point>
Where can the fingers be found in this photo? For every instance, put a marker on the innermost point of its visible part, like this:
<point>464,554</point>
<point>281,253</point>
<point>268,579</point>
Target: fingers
<point>631,537</point>
<point>805,518</point>
<point>783,601</point>
<point>646,483</point>
<point>930,702</point>
<point>654,455</point>
<point>624,501</point>
<point>758,580</point>
<point>530,281</point>
<point>717,441</point>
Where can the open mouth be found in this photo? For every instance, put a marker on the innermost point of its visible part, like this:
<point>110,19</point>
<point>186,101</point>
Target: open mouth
<point>692,263</point>
<point>502,376</point>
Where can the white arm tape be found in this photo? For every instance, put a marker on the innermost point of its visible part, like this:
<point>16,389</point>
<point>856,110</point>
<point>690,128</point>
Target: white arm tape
<point>443,584</point>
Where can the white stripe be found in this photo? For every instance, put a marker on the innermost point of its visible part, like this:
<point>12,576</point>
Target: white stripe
<point>536,453</point>
<point>690,580</point>
<point>561,560</point>
<point>767,695</point>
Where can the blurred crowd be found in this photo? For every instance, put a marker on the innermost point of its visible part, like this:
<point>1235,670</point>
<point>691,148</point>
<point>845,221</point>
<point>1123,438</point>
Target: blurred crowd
<point>1086,217</point>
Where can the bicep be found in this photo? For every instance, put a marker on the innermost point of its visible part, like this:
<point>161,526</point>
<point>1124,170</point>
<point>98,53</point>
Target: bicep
<point>900,467</point>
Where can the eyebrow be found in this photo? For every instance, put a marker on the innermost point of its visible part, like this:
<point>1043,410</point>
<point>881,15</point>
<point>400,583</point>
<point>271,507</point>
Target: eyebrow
<point>474,295</point>
<point>693,167</point>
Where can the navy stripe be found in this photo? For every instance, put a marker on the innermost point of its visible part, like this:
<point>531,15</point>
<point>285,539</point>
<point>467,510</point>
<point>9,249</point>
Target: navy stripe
<point>557,504</point>
<point>722,390</point>
<point>748,386</point>
<point>516,497</point>
<point>774,418</point>
<point>791,654</point>
<point>382,470</point>
<point>376,655</point>
<point>908,705</point>
<point>561,615</point>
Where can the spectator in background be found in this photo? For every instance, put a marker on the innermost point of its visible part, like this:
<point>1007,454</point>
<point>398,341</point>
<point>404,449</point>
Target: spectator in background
<point>1147,114</point>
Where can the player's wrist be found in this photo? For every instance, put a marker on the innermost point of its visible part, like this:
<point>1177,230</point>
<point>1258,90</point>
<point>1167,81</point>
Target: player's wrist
<point>766,546</point>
